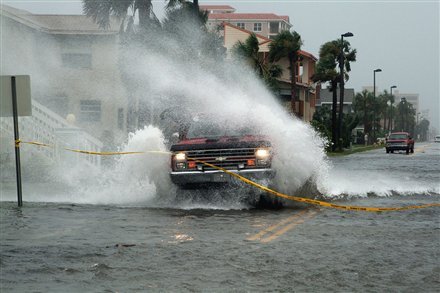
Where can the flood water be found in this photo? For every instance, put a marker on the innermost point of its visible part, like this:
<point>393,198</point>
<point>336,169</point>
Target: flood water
<point>77,247</point>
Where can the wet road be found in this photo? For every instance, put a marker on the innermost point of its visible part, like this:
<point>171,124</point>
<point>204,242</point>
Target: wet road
<point>52,247</point>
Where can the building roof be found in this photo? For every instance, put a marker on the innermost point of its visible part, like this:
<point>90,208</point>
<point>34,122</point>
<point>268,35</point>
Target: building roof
<point>60,24</point>
<point>248,16</point>
<point>326,96</point>
<point>307,54</point>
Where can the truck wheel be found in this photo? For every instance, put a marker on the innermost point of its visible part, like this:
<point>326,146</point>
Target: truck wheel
<point>388,151</point>
<point>392,151</point>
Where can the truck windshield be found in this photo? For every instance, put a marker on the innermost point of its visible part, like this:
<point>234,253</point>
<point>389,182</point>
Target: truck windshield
<point>216,129</point>
<point>397,136</point>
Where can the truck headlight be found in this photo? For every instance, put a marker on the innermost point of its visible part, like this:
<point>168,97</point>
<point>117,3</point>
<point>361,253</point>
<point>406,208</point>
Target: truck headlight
<point>263,157</point>
<point>180,157</point>
<point>262,153</point>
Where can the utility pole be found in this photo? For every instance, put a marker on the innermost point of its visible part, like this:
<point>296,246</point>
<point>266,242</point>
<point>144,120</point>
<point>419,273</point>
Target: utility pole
<point>341,89</point>
<point>374,103</point>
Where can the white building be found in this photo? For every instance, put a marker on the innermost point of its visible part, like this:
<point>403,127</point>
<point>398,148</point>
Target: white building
<point>410,98</point>
<point>73,67</point>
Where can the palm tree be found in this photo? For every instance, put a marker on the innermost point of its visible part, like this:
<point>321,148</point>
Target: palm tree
<point>391,113</point>
<point>133,38</point>
<point>287,44</point>
<point>363,106</point>
<point>322,123</point>
<point>100,11</point>
<point>383,110</point>
<point>193,7</point>
<point>248,52</point>
<point>326,71</point>
<point>405,116</point>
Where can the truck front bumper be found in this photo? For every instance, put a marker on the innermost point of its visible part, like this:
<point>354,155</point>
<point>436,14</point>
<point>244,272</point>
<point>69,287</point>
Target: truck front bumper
<point>214,176</point>
<point>397,147</point>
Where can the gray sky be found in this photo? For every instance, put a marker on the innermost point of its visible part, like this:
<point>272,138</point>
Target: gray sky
<point>400,37</point>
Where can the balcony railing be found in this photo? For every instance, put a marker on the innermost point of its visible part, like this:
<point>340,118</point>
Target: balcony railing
<point>47,127</point>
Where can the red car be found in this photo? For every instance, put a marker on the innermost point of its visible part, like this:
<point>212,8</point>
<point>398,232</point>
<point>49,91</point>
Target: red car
<point>399,141</point>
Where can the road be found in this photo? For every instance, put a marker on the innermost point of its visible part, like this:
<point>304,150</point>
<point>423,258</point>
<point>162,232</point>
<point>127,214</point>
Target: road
<point>107,248</point>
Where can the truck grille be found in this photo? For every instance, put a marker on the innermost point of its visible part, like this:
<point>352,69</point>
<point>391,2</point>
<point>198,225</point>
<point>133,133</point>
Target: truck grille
<point>225,158</point>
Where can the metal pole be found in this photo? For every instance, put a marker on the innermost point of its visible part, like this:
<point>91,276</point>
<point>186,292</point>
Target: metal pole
<point>391,110</point>
<point>341,93</point>
<point>17,141</point>
<point>374,106</point>
<point>374,103</point>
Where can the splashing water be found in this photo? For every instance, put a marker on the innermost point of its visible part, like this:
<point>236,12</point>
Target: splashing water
<point>202,85</point>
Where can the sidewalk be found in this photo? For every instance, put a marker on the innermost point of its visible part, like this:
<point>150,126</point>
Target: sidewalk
<point>355,149</point>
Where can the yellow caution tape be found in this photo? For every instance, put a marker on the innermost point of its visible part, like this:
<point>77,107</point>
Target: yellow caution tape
<point>103,153</point>
<point>252,183</point>
<point>18,142</point>
<point>313,201</point>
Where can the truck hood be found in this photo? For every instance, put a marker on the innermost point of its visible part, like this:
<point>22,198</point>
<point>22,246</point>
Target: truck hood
<point>248,141</point>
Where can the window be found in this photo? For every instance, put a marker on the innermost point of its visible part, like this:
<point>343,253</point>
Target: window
<point>274,27</point>
<point>76,51</point>
<point>90,111</point>
<point>257,27</point>
<point>77,60</point>
<point>240,25</point>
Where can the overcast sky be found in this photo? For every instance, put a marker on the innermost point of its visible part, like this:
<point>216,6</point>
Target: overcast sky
<point>400,37</point>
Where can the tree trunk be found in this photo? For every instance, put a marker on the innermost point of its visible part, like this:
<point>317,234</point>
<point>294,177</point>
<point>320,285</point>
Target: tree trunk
<point>144,9</point>
<point>334,111</point>
<point>365,117</point>
<point>196,8</point>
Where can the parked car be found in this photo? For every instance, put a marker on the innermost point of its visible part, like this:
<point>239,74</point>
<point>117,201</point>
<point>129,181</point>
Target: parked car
<point>437,138</point>
<point>399,141</point>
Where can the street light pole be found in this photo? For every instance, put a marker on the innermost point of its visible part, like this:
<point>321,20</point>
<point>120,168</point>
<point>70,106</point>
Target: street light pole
<point>390,124</point>
<point>374,103</point>
<point>341,89</point>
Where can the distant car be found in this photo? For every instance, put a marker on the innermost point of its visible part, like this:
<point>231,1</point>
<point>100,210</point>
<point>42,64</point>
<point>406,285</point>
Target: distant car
<point>399,141</point>
<point>437,138</point>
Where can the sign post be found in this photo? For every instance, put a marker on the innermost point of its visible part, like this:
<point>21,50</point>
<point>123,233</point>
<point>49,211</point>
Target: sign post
<point>17,140</point>
<point>15,94</point>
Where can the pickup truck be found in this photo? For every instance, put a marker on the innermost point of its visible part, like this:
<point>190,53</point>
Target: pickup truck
<point>234,147</point>
<point>399,141</point>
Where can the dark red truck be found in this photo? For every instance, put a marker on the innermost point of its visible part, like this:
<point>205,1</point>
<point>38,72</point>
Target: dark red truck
<point>399,141</point>
<point>236,148</point>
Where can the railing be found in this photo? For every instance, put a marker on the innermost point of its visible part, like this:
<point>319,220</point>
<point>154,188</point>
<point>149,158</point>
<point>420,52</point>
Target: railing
<point>48,127</point>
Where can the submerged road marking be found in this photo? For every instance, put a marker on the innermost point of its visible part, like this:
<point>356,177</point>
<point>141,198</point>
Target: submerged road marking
<point>420,149</point>
<point>259,235</point>
<point>282,227</point>
<point>289,227</point>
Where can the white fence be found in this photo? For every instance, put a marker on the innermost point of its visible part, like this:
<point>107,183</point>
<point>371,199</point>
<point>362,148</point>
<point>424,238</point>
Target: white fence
<point>47,127</point>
